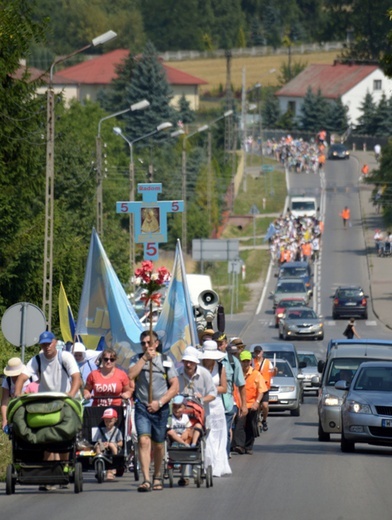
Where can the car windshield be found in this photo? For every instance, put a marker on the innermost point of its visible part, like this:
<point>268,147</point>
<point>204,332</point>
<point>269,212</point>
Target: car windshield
<point>284,370</point>
<point>309,359</point>
<point>293,272</point>
<point>374,379</point>
<point>343,369</point>
<point>350,293</point>
<point>306,314</point>
<point>288,356</point>
<point>302,205</point>
<point>295,287</point>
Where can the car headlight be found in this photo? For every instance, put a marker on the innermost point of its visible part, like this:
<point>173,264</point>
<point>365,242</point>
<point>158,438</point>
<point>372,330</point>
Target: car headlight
<point>355,407</point>
<point>287,388</point>
<point>332,400</point>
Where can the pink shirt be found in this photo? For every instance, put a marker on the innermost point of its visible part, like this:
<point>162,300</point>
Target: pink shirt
<point>107,386</point>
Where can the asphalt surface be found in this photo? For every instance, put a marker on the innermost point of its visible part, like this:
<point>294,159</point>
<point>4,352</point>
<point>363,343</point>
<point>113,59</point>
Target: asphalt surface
<point>379,268</point>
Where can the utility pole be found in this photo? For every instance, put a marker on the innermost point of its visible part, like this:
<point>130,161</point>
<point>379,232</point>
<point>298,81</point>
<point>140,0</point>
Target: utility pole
<point>243,120</point>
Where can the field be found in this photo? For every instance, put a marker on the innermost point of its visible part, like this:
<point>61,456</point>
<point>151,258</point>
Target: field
<point>262,69</point>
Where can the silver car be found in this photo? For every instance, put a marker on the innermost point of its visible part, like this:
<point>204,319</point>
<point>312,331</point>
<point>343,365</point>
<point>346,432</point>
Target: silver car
<point>285,391</point>
<point>301,322</point>
<point>367,406</point>
<point>290,288</point>
<point>310,370</point>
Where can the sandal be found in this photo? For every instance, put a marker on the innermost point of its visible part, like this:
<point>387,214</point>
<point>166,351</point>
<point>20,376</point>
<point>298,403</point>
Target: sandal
<point>183,482</point>
<point>145,487</point>
<point>110,475</point>
<point>157,484</point>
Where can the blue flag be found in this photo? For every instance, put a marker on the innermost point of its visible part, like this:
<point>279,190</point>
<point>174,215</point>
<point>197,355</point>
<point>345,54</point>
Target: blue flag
<point>105,310</point>
<point>176,325</point>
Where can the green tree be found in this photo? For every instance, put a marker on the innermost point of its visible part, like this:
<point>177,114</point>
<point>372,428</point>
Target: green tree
<point>382,180</point>
<point>383,117</point>
<point>270,111</point>
<point>336,117</point>
<point>186,114</point>
<point>22,152</point>
<point>313,111</point>
<point>366,122</point>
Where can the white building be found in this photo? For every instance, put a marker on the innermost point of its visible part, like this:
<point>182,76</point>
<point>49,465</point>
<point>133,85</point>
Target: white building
<point>351,83</point>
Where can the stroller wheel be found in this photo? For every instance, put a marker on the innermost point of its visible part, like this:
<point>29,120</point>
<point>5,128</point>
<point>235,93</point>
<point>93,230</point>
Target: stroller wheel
<point>78,478</point>
<point>10,480</point>
<point>100,471</point>
<point>209,482</point>
<point>197,473</point>
<point>170,474</point>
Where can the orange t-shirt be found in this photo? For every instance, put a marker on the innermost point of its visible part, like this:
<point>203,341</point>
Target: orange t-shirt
<point>254,385</point>
<point>266,370</point>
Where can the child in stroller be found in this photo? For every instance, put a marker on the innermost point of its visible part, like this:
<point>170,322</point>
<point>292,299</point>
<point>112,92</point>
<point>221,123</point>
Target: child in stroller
<point>184,429</point>
<point>185,442</point>
<point>109,438</point>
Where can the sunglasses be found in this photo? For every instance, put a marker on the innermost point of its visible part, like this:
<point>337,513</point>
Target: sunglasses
<point>111,359</point>
<point>145,343</point>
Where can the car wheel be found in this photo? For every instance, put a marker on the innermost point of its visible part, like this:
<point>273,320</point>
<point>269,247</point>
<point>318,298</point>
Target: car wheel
<point>365,316</point>
<point>335,316</point>
<point>322,435</point>
<point>297,411</point>
<point>345,445</point>
<point>321,337</point>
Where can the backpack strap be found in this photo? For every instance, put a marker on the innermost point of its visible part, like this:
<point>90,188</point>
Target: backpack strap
<point>9,382</point>
<point>60,358</point>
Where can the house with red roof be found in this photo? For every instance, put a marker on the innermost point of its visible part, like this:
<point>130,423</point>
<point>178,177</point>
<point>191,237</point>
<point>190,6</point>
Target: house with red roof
<point>97,73</point>
<point>350,82</point>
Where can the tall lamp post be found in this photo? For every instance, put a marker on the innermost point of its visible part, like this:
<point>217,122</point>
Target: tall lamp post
<point>49,189</point>
<point>136,106</point>
<point>117,130</point>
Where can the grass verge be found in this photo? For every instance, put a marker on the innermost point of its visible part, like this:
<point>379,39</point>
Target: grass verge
<point>267,191</point>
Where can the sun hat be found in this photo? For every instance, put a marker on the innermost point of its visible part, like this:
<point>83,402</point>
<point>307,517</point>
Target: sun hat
<point>79,347</point>
<point>109,413</point>
<point>237,342</point>
<point>46,337</point>
<point>206,332</point>
<point>14,367</point>
<point>245,356</point>
<point>178,399</point>
<point>210,350</point>
<point>191,354</point>
<point>219,336</point>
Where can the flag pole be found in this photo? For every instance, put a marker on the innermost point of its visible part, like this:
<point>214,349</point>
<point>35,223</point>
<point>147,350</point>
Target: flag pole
<point>150,368</point>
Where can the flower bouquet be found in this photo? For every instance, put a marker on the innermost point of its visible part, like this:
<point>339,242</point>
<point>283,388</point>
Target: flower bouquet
<point>152,282</point>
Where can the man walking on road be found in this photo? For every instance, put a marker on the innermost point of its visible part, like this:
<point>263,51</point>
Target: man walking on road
<point>267,370</point>
<point>152,411</point>
<point>345,214</point>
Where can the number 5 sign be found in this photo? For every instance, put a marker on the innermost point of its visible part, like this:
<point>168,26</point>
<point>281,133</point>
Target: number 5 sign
<point>150,217</point>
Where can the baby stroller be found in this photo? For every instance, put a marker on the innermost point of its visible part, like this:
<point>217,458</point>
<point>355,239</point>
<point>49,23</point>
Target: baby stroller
<point>177,455</point>
<point>101,463</point>
<point>44,422</point>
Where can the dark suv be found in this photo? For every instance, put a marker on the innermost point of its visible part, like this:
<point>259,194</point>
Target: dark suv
<point>349,301</point>
<point>297,270</point>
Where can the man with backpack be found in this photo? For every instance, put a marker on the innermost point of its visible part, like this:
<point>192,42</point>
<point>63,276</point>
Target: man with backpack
<point>57,371</point>
<point>234,376</point>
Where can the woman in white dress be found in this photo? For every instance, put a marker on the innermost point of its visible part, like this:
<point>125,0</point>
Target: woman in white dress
<point>216,454</point>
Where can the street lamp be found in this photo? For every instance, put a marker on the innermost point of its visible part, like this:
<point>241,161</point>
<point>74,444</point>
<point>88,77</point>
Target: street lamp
<point>141,105</point>
<point>118,131</point>
<point>49,189</point>
<point>184,175</point>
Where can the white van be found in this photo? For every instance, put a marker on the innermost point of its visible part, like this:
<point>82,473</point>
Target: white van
<point>301,206</point>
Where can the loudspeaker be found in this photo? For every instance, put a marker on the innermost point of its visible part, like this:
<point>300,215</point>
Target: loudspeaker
<point>208,302</point>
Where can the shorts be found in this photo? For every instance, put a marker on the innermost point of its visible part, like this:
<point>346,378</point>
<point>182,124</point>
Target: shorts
<point>151,424</point>
<point>265,398</point>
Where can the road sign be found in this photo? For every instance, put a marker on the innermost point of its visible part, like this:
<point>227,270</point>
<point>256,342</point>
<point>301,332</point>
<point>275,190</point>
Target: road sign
<point>22,324</point>
<point>267,168</point>
<point>150,217</point>
<point>218,250</point>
